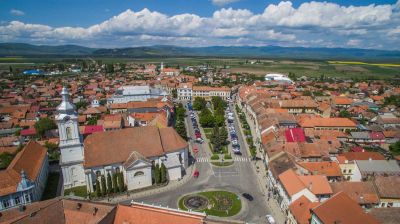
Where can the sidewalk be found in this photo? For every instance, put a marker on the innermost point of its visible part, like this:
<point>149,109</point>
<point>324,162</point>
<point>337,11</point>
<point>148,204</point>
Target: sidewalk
<point>172,185</point>
<point>261,172</point>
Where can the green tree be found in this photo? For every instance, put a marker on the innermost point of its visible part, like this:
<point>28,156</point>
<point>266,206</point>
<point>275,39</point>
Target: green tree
<point>223,134</point>
<point>121,182</point>
<point>52,150</point>
<point>215,139</point>
<point>395,148</point>
<point>92,120</point>
<point>103,185</point>
<point>115,183</point>
<point>157,174</point>
<point>181,129</point>
<point>43,125</point>
<point>175,93</point>
<point>344,113</point>
<point>81,104</point>
<point>98,188</point>
<point>5,159</point>
<point>163,173</point>
<point>199,103</point>
<point>109,184</point>
<point>219,120</point>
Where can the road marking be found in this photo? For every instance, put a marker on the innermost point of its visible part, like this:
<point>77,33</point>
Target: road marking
<point>203,160</point>
<point>241,159</point>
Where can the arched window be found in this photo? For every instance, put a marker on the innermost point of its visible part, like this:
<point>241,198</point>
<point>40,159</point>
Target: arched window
<point>139,173</point>
<point>69,133</point>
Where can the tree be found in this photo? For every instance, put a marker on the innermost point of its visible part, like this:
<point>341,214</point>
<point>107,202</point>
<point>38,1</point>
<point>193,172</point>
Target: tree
<point>223,134</point>
<point>121,183</point>
<point>219,120</point>
<point>174,93</point>
<point>181,129</point>
<point>5,159</point>
<point>92,120</point>
<point>163,173</point>
<point>395,148</point>
<point>43,125</point>
<point>199,103</point>
<point>115,183</point>
<point>157,174</point>
<point>216,139</point>
<point>81,104</point>
<point>344,113</point>
<point>109,184</point>
<point>98,190</point>
<point>206,120</point>
<point>103,185</point>
<point>52,150</point>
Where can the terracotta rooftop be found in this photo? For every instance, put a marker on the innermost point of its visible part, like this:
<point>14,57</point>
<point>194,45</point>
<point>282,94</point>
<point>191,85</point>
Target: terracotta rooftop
<point>103,148</point>
<point>30,159</point>
<point>63,211</point>
<point>300,209</point>
<point>388,187</point>
<point>329,169</point>
<point>350,156</point>
<point>327,122</point>
<point>141,213</point>
<point>361,192</point>
<point>340,208</point>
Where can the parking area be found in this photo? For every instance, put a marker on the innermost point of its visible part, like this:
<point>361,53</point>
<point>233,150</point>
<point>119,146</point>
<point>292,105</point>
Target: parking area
<point>234,145</point>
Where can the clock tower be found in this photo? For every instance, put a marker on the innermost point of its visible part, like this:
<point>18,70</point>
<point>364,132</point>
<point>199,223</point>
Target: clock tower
<point>71,147</point>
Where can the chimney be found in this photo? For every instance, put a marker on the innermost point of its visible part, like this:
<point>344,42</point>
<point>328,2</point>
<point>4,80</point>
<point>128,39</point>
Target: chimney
<point>310,186</point>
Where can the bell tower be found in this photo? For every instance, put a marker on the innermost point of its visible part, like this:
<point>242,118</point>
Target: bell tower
<point>71,146</point>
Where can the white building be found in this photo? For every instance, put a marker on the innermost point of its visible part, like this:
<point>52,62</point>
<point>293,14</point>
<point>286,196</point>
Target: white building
<point>131,151</point>
<point>278,77</point>
<point>186,91</point>
<point>25,178</point>
<point>127,94</point>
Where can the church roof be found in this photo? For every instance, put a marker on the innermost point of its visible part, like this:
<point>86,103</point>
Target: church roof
<point>103,148</point>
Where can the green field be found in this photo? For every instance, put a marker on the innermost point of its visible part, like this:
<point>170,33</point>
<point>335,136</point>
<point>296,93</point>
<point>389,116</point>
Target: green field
<point>342,69</point>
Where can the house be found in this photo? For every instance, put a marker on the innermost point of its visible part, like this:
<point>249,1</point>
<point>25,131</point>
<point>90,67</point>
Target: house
<point>347,162</point>
<point>386,215</point>
<point>184,91</point>
<point>340,208</point>
<point>367,169</point>
<point>300,211</point>
<point>299,106</point>
<point>293,186</point>
<point>328,168</point>
<point>363,193</point>
<point>208,92</point>
<point>388,190</point>
<point>132,151</point>
<point>342,102</point>
<point>70,211</point>
<point>25,178</point>
<point>332,123</point>
<point>125,94</point>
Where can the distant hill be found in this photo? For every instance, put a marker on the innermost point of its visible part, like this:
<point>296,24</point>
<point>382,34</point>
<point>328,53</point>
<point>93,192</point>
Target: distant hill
<point>19,49</point>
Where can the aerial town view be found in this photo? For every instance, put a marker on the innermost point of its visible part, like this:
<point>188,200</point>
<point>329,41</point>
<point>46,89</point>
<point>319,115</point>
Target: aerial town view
<point>200,112</point>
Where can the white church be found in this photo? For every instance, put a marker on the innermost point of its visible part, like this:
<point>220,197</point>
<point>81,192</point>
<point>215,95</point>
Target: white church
<point>131,151</point>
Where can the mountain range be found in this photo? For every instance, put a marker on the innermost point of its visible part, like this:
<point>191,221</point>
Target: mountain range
<point>28,50</point>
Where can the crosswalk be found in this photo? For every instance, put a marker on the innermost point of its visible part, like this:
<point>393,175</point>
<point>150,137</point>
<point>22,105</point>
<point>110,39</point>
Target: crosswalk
<point>235,158</point>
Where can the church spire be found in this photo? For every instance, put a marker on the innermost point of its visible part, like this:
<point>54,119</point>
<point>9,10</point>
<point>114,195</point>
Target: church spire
<point>65,106</point>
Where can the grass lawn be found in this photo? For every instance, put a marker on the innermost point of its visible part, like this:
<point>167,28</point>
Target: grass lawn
<point>80,191</point>
<point>223,203</point>
<point>225,163</point>
<point>208,132</point>
<point>50,191</point>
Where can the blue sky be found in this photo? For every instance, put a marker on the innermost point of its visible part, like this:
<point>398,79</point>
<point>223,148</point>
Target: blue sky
<point>124,23</point>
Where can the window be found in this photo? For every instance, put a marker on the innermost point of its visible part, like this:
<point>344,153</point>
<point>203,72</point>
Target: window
<point>6,203</point>
<point>69,133</point>
<point>27,198</point>
<point>349,170</point>
<point>139,173</point>
<point>17,200</point>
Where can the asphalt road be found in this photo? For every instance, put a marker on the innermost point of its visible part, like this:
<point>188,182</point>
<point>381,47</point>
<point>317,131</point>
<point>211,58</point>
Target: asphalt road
<point>238,178</point>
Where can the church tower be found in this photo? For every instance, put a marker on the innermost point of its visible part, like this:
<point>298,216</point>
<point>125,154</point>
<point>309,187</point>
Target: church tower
<point>71,147</point>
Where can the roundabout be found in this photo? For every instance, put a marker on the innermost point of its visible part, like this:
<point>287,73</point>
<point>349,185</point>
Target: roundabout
<point>216,203</point>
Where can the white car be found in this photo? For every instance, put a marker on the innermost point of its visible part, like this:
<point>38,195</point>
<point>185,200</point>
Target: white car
<point>270,219</point>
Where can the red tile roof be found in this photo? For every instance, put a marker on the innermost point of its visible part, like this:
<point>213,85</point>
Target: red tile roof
<point>340,208</point>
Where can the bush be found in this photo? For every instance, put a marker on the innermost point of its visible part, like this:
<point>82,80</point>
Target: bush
<point>215,157</point>
<point>227,156</point>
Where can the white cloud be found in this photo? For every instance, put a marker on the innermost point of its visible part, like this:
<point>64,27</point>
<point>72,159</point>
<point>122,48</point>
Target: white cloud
<point>223,2</point>
<point>279,24</point>
<point>17,12</point>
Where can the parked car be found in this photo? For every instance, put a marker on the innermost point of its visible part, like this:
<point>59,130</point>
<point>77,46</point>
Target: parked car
<point>236,151</point>
<point>195,150</point>
<point>270,219</point>
<point>196,174</point>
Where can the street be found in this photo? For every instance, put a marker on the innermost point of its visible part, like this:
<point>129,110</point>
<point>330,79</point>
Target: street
<point>239,178</point>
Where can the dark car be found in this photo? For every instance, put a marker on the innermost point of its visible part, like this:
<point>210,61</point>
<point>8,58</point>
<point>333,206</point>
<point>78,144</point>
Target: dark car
<point>248,196</point>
